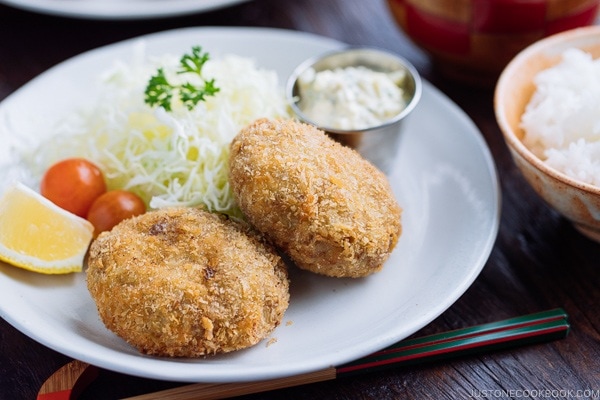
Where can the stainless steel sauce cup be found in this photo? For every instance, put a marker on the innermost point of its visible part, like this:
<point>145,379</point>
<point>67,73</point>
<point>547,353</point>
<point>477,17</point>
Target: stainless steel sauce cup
<point>378,143</point>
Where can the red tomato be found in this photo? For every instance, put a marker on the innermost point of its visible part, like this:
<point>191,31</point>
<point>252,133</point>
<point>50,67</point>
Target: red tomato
<point>113,207</point>
<point>73,184</point>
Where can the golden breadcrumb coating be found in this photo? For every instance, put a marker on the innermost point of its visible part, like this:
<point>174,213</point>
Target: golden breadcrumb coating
<point>183,282</point>
<point>328,208</point>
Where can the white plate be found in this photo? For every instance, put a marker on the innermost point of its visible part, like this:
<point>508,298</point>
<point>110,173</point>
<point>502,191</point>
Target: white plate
<point>444,178</point>
<point>119,9</point>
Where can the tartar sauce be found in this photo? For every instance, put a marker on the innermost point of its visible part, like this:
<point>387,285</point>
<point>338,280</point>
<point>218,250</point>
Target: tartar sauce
<point>351,98</point>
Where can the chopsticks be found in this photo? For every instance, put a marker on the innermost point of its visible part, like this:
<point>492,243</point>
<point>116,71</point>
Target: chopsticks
<point>533,328</point>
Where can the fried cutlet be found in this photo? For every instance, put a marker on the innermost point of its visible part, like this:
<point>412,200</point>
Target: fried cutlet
<point>331,211</point>
<point>183,282</point>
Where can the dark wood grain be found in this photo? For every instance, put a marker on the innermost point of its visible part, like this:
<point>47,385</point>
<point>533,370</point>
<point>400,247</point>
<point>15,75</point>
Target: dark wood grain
<point>539,261</point>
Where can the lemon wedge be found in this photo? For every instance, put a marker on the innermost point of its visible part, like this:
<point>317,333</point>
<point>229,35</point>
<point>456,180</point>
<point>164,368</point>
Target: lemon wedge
<point>37,235</point>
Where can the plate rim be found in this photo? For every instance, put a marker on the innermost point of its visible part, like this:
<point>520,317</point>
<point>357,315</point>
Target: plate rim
<point>428,89</point>
<point>126,9</point>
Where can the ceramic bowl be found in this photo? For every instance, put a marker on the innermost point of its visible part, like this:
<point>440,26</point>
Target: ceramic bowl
<point>378,143</point>
<point>473,40</point>
<point>577,201</point>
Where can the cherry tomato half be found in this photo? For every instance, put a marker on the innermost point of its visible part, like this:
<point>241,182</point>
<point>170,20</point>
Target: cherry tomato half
<point>113,207</point>
<point>73,184</point>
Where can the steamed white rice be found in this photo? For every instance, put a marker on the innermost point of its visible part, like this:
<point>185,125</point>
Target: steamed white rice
<point>562,120</point>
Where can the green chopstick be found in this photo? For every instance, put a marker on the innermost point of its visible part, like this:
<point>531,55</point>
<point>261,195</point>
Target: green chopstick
<point>527,329</point>
<point>511,323</point>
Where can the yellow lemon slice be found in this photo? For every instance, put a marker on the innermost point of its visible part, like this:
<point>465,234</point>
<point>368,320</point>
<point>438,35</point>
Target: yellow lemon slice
<point>38,235</point>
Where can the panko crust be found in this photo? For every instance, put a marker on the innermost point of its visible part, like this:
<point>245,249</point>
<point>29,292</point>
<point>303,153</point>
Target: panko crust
<point>183,282</point>
<point>322,203</point>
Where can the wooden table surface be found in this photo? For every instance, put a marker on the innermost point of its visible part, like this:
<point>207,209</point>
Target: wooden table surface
<point>538,262</point>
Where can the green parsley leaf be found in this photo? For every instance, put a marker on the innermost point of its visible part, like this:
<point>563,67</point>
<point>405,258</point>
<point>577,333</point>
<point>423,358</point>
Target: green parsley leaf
<point>160,92</point>
<point>194,62</point>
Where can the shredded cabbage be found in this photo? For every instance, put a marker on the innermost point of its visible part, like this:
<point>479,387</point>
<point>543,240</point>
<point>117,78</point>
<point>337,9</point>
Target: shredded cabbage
<point>167,158</point>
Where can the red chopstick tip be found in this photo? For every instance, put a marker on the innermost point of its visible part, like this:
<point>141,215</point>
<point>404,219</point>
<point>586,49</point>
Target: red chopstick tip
<point>60,395</point>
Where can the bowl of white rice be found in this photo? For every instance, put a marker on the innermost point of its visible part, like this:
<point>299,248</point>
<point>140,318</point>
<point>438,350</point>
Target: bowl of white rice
<point>547,104</point>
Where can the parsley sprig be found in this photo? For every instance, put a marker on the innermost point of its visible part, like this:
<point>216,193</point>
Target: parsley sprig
<point>160,92</point>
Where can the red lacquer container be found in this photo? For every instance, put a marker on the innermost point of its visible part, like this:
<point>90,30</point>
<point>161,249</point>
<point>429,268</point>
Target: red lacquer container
<point>473,40</point>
